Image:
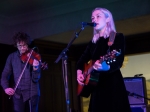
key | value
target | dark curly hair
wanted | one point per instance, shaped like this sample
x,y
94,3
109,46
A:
x,y
21,36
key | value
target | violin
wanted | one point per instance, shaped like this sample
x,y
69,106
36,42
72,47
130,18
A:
x,y
30,55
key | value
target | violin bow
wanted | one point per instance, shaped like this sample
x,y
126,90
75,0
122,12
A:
x,y
18,81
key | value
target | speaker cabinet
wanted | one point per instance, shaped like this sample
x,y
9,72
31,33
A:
x,y
136,89
140,108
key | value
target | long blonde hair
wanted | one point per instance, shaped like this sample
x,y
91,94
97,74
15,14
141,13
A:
x,y
110,25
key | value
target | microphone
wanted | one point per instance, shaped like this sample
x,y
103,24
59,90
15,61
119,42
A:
x,y
89,24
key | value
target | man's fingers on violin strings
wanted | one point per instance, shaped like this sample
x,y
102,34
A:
x,y
35,62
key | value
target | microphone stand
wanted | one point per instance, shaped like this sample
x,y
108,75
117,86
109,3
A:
x,y
64,57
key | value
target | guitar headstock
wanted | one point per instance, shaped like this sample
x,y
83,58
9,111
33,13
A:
x,y
115,52
110,56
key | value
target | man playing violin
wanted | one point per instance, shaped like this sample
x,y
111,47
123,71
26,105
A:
x,y
26,92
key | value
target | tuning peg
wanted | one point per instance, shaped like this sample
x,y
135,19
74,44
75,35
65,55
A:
x,y
114,60
108,62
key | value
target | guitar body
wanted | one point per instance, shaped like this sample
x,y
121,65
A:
x,y
92,77
90,82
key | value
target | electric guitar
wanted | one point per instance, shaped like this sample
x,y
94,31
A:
x,y
91,78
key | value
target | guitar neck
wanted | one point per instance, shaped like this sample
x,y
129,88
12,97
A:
x,y
90,70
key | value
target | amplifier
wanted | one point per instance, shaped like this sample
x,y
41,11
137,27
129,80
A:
x,y
140,108
136,88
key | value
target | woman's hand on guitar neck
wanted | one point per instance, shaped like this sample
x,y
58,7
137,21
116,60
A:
x,y
101,66
97,66
80,77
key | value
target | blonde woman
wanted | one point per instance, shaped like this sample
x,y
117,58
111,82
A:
x,y
109,94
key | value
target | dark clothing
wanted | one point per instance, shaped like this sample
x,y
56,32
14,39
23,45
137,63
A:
x,y
110,93
28,85
31,104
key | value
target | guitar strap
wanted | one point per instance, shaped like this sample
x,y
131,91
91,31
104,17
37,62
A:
x,y
110,42
111,38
